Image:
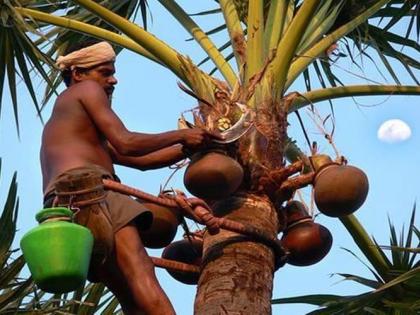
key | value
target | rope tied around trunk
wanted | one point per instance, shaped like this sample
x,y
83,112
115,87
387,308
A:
x,y
199,211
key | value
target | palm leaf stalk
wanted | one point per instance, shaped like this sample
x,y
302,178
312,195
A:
x,y
286,48
236,33
320,95
91,30
255,23
274,43
275,24
201,38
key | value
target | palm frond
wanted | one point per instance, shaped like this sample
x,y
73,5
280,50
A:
x,y
383,33
12,288
8,221
18,55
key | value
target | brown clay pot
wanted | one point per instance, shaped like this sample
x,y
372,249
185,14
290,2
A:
x,y
186,251
213,176
295,211
340,189
307,243
164,226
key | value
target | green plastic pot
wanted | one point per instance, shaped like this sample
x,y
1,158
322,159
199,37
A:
x,y
57,251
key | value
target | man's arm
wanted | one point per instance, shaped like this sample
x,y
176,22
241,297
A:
x,y
158,159
96,104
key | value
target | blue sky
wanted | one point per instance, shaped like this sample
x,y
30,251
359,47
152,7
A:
x,y
148,100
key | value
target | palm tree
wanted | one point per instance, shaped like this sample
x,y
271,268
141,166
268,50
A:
x,y
273,44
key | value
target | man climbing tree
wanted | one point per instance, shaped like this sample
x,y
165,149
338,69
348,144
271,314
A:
x,y
84,133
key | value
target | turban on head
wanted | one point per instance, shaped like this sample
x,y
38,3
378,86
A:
x,y
87,57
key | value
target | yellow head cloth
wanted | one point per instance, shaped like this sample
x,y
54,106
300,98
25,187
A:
x,y
87,57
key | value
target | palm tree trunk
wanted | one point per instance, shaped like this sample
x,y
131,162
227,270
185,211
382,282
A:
x,y
237,272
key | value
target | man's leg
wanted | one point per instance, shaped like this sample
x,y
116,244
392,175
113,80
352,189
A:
x,y
140,290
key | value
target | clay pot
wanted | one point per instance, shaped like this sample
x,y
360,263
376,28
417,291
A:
x,y
340,189
295,211
164,226
307,243
186,251
213,175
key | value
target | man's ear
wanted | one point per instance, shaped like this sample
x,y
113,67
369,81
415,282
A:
x,y
77,74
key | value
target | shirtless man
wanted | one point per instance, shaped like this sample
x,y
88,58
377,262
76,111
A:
x,y
83,130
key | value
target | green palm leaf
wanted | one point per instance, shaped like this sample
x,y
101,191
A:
x,y
367,282
381,31
18,55
8,221
316,299
12,288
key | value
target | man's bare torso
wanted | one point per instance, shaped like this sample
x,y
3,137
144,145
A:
x,y
70,138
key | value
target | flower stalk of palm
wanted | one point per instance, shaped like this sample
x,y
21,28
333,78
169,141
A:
x,y
279,42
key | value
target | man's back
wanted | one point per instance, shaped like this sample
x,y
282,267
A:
x,y
70,138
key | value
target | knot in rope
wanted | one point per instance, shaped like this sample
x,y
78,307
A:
x,y
199,210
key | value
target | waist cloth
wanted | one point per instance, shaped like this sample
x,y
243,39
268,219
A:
x,y
105,218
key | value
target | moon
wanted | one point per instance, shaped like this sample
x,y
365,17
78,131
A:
x,y
393,131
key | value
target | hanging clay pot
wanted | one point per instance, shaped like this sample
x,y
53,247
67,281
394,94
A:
x,y
307,242
57,251
213,175
164,226
186,251
340,189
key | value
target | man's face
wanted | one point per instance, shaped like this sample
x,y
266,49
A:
x,y
103,74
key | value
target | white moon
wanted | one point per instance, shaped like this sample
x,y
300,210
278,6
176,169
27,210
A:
x,y
394,130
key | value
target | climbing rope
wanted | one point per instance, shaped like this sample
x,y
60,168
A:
x,y
175,265
198,210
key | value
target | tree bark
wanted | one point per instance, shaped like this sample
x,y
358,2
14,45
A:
x,y
237,272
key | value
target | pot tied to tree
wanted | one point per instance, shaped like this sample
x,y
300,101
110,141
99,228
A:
x,y
305,241
164,227
339,189
189,251
213,175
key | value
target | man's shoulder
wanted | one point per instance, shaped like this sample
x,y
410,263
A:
x,y
81,89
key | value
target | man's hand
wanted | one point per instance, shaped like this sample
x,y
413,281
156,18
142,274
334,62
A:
x,y
196,138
